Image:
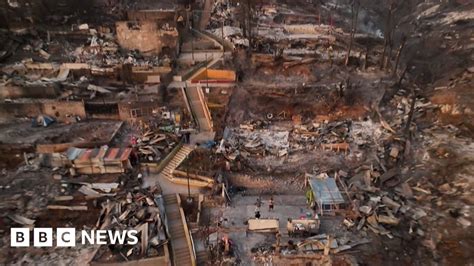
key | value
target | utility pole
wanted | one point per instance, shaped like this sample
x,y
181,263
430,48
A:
x,y
223,44
192,45
207,74
189,200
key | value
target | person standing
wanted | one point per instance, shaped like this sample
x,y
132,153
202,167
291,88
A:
x,y
259,202
270,204
257,212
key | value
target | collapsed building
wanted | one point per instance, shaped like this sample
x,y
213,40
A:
x,y
238,132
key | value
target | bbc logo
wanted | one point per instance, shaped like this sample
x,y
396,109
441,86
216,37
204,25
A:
x,y
43,237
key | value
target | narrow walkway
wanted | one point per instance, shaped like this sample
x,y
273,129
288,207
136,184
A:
x,y
177,228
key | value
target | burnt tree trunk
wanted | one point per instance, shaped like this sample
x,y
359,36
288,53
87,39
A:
x,y
387,34
355,5
402,76
250,10
399,52
406,132
389,55
366,58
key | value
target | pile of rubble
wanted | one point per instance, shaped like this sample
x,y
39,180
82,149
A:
x,y
322,135
152,147
260,139
142,210
244,141
311,247
378,209
231,34
221,13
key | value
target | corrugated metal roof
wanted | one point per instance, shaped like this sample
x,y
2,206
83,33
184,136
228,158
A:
x,y
325,190
104,153
72,153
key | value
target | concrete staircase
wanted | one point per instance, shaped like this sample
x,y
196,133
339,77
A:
x,y
202,257
199,108
181,248
178,158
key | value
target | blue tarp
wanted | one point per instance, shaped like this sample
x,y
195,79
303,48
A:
x,y
43,121
208,144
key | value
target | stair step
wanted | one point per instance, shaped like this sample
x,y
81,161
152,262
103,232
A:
x,y
183,259
200,252
176,225
174,215
169,197
181,251
183,256
184,262
176,228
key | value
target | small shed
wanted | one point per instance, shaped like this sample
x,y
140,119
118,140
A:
x,y
325,194
100,161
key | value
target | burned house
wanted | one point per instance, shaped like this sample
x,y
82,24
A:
x,y
104,160
149,31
